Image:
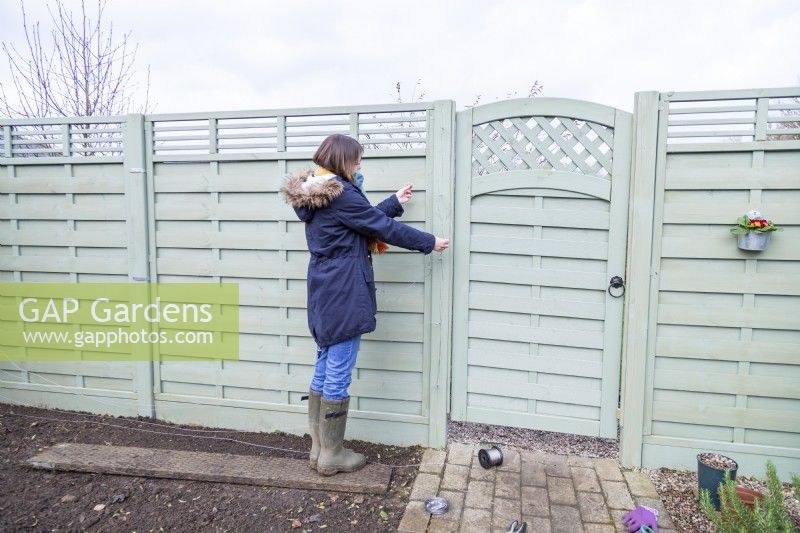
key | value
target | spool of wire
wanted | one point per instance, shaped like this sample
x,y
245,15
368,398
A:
x,y
437,505
489,457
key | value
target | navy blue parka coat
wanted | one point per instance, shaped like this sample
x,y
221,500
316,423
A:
x,y
339,220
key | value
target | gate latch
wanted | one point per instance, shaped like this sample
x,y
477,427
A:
x,y
616,283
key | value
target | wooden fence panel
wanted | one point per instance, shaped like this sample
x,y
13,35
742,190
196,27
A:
x,y
720,367
219,217
65,218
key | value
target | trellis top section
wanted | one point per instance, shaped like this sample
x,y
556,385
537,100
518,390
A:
x,y
733,120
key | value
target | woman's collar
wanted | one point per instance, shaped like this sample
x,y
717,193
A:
x,y
322,171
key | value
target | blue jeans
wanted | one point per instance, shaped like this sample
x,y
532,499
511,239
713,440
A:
x,y
334,369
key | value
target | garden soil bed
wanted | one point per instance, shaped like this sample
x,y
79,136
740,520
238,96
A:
x,y
35,500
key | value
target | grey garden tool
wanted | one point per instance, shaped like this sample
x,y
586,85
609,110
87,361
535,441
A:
x,y
516,527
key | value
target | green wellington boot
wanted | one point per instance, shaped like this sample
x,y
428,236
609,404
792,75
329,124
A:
x,y
313,427
333,457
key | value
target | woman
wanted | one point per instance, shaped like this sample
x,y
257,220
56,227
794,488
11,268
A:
x,y
342,231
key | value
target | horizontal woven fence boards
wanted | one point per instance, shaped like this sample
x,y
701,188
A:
x,y
209,185
219,216
63,219
538,235
712,337
723,372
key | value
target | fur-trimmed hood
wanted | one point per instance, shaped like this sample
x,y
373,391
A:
x,y
306,192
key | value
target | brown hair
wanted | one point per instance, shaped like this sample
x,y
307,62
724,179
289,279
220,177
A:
x,y
339,154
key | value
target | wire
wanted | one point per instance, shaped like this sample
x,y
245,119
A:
x,y
106,403
109,403
174,434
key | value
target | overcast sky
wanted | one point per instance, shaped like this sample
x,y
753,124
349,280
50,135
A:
x,y
247,54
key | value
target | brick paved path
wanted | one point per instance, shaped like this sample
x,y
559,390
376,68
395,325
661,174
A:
x,y
552,493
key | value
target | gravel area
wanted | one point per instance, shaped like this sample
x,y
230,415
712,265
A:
x,y
678,491
532,439
717,461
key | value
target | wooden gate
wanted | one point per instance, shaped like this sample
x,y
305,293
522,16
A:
x,y
540,231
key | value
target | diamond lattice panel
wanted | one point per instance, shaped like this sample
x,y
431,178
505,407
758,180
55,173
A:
x,y
556,143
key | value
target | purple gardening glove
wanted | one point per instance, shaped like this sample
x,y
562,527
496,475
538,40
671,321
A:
x,y
641,516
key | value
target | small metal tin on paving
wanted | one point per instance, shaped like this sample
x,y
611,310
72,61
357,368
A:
x,y
437,505
489,457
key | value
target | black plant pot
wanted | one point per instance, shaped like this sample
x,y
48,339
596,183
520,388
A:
x,y
710,478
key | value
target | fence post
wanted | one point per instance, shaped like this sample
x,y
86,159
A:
x,y
134,170
443,168
637,295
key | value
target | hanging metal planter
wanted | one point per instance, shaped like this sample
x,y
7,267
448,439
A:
x,y
753,231
753,241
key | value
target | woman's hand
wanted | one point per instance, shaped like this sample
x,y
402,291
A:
x,y
441,244
404,194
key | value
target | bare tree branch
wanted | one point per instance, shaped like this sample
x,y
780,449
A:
x,y
83,71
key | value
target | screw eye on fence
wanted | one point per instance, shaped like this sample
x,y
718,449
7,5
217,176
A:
x,y
563,215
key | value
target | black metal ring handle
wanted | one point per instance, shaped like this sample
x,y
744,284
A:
x,y
616,283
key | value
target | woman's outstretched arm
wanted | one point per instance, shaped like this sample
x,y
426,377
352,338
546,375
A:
x,y
355,212
391,206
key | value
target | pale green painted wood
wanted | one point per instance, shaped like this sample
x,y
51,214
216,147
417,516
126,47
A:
x,y
32,161
725,317
733,147
90,385
728,282
550,365
682,453
615,266
729,350
221,192
527,276
726,383
492,258
719,247
720,377
239,211
548,247
461,268
690,192
62,185
441,144
526,107
566,218
637,292
62,212
7,146
527,420
735,94
137,225
722,178
101,401
546,179
656,278
116,119
286,112
691,413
